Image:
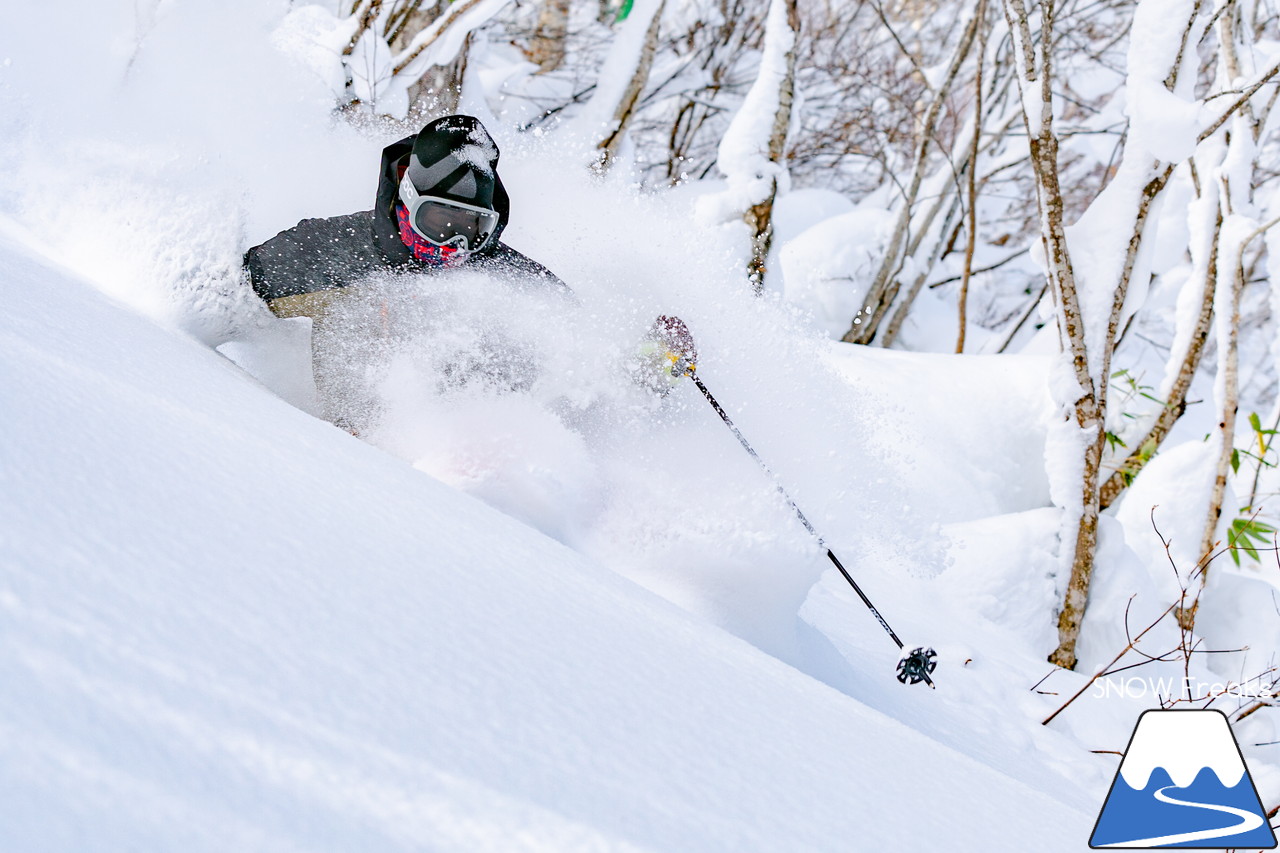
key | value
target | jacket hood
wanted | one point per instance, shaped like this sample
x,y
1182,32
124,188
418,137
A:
x,y
453,157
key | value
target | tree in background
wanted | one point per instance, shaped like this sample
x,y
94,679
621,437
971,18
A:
x,y
752,152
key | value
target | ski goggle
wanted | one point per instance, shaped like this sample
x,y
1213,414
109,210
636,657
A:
x,y
448,223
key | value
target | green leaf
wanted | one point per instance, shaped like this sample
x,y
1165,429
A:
x,y
1235,461
1255,422
624,10
1248,534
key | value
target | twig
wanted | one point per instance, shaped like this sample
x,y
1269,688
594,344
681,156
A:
x,y
1187,647
1026,315
1043,680
1239,102
980,270
1104,670
972,224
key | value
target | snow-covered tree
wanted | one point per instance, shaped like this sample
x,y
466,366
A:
x,y
622,78
752,151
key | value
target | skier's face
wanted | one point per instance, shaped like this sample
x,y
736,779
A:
x,y
425,251
442,222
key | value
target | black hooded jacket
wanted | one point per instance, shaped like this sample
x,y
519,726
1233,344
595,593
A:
x,y
322,254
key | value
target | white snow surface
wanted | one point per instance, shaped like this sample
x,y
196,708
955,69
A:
x,y
829,266
229,625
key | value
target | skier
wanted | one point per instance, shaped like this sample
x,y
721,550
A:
x,y
440,206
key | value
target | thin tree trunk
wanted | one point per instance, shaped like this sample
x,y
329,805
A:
x,y
864,325
1080,405
610,144
972,223
1229,365
899,317
547,45
759,217
1228,304
1175,402
367,17
1091,369
922,227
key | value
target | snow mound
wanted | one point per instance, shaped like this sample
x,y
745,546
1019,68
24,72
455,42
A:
x,y
828,268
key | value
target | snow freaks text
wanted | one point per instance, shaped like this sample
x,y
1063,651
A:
x,y
1186,689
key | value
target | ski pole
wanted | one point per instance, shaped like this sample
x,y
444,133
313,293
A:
x,y
916,665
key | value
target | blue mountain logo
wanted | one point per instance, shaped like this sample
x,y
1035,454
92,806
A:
x,y
1183,783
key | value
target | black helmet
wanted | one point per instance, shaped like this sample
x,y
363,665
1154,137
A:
x,y
455,158
450,189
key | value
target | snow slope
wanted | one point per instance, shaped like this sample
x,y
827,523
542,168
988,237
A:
x,y
228,625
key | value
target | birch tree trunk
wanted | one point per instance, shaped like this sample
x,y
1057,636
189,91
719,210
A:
x,y
1113,271
877,301
774,87
1184,361
546,47
1238,230
1147,429
441,40
1080,433
439,89
622,79
1227,297
971,218
1235,179
1227,311
752,152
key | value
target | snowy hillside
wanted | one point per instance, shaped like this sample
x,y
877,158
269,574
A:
x,y
229,625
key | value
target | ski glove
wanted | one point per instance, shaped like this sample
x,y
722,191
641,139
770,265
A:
x,y
666,355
